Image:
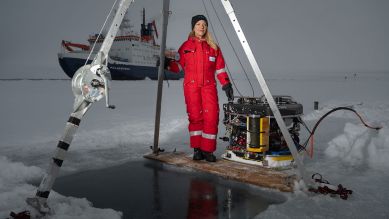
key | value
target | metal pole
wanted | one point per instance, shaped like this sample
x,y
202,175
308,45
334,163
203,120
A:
x,y
316,105
39,202
246,47
161,71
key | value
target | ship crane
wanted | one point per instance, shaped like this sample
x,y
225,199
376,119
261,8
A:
x,y
70,46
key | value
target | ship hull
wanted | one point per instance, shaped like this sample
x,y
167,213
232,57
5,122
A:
x,y
119,71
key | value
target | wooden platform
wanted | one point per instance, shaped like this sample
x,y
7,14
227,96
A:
x,y
256,175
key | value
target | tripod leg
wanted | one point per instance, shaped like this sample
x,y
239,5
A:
x,y
39,202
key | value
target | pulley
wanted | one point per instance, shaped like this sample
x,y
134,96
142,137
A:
x,y
91,84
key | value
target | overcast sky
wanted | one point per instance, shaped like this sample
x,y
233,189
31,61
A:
x,y
287,36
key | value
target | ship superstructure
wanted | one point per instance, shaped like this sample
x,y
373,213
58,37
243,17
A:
x,y
132,57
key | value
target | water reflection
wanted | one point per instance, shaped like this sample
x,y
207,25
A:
x,y
228,203
149,189
217,198
157,209
202,200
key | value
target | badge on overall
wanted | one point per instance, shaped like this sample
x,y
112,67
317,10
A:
x,y
212,58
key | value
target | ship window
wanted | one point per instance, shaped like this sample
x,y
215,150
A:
x,y
132,44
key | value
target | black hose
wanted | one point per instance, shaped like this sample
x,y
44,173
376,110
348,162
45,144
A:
x,y
333,110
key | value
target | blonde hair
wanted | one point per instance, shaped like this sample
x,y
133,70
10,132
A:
x,y
208,37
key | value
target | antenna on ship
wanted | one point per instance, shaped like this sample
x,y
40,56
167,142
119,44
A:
x,y
144,16
143,25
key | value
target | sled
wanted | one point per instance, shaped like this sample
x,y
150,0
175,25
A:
x,y
280,179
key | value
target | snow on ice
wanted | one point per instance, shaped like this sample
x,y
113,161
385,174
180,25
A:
x,y
33,116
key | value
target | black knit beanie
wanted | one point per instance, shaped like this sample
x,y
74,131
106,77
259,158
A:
x,y
197,18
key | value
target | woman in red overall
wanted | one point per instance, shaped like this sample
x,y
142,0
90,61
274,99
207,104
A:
x,y
201,60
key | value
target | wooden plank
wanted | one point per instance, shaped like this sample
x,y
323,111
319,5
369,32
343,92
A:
x,y
255,175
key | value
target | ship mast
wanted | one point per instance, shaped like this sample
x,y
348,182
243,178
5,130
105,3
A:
x,y
146,32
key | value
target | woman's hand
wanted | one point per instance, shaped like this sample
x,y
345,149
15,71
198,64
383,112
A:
x,y
229,91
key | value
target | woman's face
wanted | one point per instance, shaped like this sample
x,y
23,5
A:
x,y
200,29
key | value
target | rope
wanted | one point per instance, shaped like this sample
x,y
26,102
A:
x,y
324,187
101,30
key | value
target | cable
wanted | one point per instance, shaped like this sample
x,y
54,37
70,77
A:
x,y
101,30
213,30
304,146
247,77
328,113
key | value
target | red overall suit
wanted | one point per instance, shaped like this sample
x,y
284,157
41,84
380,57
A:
x,y
201,63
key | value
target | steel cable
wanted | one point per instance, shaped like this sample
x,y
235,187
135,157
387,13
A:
x,y
216,38
225,33
101,30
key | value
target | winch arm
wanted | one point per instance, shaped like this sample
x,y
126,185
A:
x,y
89,84
102,55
